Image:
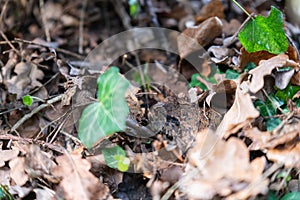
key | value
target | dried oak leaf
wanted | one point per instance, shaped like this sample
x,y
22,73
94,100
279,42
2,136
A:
x,y
218,167
265,68
241,113
27,78
77,181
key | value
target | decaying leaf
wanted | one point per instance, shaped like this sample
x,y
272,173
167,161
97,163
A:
x,y
265,68
290,156
214,8
27,77
77,181
197,37
241,113
7,155
17,171
218,167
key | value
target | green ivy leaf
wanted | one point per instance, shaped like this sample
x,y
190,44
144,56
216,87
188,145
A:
x,y
265,110
265,33
297,101
195,82
108,115
272,196
249,66
291,196
287,93
27,100
231,74
272,123
115,157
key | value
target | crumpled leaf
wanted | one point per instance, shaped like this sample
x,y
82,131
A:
x,y
241,112
265,33
17,171
7,155
218,167
77,181
27,78
109,114
265,68
290,156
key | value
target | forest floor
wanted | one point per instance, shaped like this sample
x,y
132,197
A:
x,y
148,100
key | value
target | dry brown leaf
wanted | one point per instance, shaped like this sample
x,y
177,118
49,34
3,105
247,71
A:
x,y
27,78
38,163
218,167
232,27
4,176
196,37
241,113
296,78
17,171
259,138
77,181
7,155
213,9
282,79
290,156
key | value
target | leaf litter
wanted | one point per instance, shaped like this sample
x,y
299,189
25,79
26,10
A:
x,y
200,147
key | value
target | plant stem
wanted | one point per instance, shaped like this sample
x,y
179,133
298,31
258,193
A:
x,y
241,7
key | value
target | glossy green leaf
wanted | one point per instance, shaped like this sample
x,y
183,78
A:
x,y
27,100
108,115
231,74
115,157
291,196
265,33
287,93
272,123
265,110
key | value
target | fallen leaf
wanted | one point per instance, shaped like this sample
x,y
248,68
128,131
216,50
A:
x,y
265,68
27,78
282,79
241,113
290,156
214,8
17,171
4,177
197,37
218,167
7,155
77,181
44,194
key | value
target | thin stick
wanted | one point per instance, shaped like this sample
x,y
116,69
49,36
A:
x,y
75,55
241,7
81,23
122,14
240,28
32,141
34,111
42,11
3,11
9,43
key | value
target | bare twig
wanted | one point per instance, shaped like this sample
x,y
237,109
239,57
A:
x,y
34,111
9,42
122,14
81,23
75,55
42,11
3,11
32,141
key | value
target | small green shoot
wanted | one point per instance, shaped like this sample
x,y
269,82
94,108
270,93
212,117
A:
x,y
107,115
115,157
27,100
265,33
134,8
